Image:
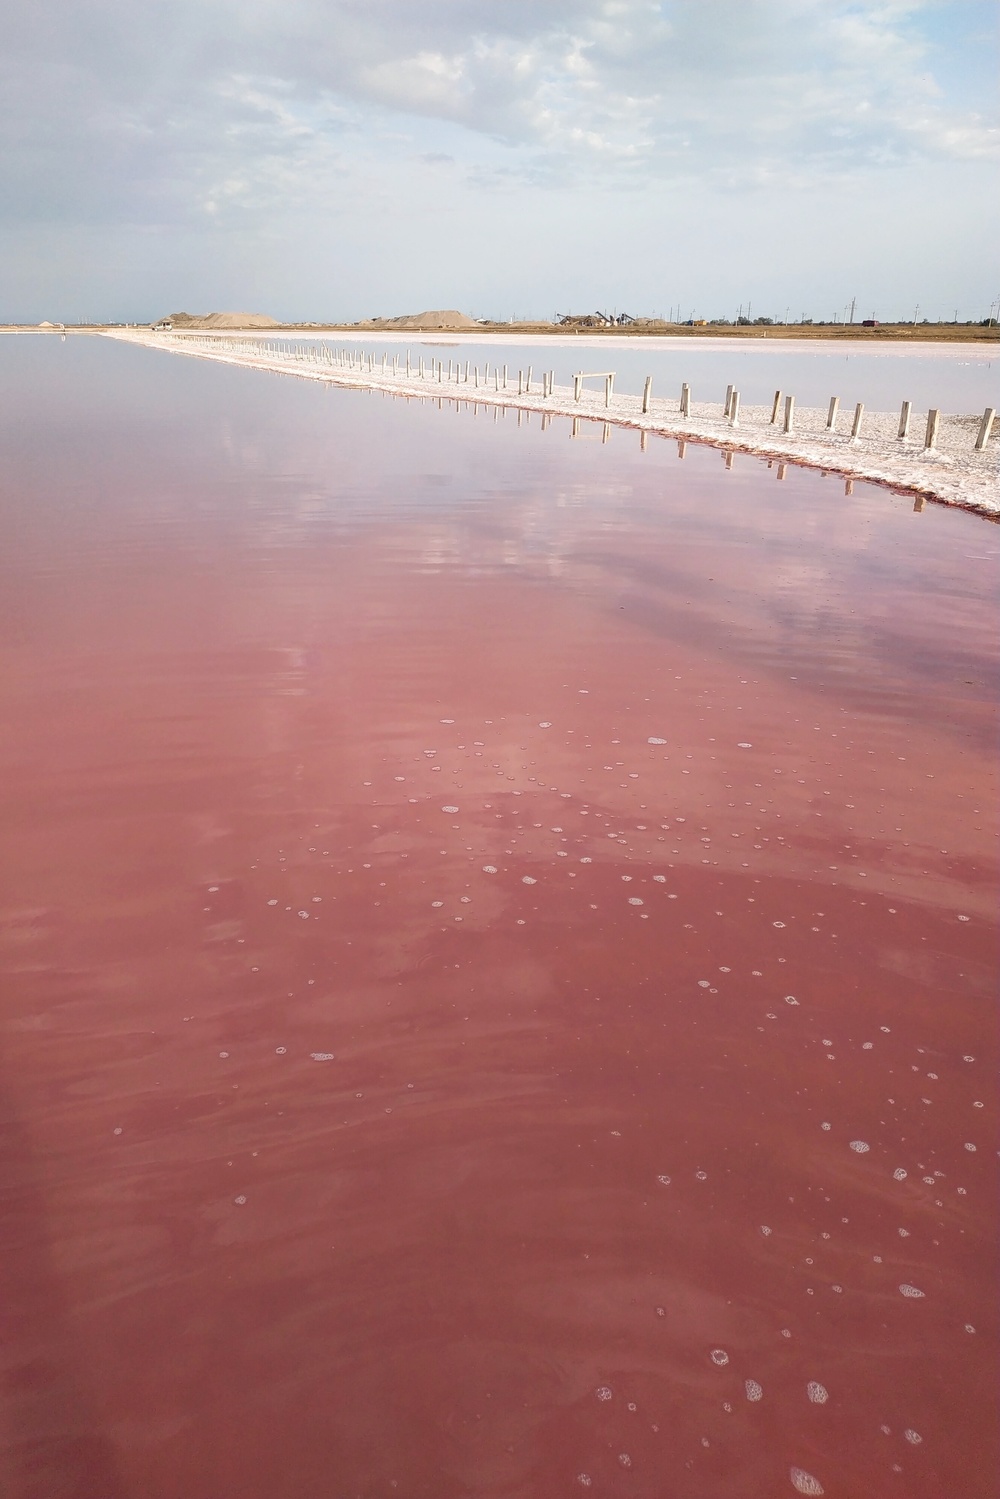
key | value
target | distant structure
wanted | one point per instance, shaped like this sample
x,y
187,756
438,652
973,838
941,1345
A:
x,y
596,320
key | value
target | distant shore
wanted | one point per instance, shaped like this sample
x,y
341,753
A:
x,y
908,335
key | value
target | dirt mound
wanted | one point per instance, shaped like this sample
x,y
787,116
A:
x,y
222,320
429,320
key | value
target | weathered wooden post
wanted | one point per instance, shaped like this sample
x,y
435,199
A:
x,y
775,407
904,421
421,366
505,377
647,393
520,378
552,381
789,419
449,369
931,435
859,413
729,398
734,410
527,383
831,415
685,400
577,387
609,385
985,428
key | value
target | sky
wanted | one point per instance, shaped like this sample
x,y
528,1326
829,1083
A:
x,y
340,159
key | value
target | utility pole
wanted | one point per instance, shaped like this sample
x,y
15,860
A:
x,y
854,302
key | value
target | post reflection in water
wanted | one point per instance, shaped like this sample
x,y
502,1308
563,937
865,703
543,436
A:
x,y
497,943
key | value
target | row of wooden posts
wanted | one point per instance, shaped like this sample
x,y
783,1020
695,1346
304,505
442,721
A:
x,y
782,407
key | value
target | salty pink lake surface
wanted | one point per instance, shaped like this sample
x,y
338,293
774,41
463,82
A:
x,y
498,946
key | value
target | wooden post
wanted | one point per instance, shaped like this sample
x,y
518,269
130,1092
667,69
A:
x,y
775,407
931,435
985,428
904,421
520,377
647,392
527,383
421,366
467,372
449,369
552,381
685,400
609,385
505,377
577,386
859,413
789,419
729,398
831,415
734,410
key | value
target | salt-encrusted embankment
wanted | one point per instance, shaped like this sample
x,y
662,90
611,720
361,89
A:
x,y
953,472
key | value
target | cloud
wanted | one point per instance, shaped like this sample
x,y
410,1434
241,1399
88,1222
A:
x,y
128,109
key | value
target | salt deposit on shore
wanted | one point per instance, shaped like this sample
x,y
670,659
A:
x,y
953,473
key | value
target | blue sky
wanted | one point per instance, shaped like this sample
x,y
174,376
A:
x,y
340,158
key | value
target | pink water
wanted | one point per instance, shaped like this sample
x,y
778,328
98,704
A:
x,y
488,921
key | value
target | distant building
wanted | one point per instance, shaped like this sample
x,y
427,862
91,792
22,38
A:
x,y
596,320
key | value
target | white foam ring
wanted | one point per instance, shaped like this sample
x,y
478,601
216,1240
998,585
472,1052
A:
x,y
719,1356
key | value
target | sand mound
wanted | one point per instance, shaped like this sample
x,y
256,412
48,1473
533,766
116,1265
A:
x,y
222,320
429,320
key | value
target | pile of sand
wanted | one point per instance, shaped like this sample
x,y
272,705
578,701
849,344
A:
x,y
222,320
434,321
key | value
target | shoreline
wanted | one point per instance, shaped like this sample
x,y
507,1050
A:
x,y
953,474
977,342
